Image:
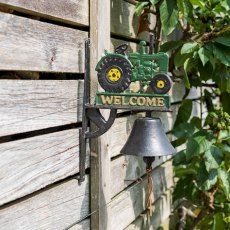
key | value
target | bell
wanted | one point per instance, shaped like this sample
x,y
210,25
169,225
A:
x,y
148,139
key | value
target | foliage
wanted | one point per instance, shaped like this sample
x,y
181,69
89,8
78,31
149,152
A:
x,y
197,36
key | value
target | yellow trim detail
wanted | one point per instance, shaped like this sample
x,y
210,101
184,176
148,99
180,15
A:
x,y
161,84
114,74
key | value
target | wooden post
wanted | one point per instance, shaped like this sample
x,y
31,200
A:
x,y
100,159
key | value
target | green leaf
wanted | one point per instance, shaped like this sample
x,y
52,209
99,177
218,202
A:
x,y
205,223
153,2
206,72
197,144
189,47
225,102
179,58
185,189
224,134
169,16
140,7
181,171
222,54
219,222
204,55
186,68
199,3
167,46
227,219
222,78
179,158
224,82
184,130
206,180
196,121
225,40
189,64
226,147
224,177
185,8
184,112
213,158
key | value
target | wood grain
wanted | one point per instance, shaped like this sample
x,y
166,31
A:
x,y
55,208
124,22
31,164
33,105
130,203
83,225
100,159
161,212
125,170
70,11
30,45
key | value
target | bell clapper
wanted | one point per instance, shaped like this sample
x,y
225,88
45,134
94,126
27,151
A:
x,y
149,161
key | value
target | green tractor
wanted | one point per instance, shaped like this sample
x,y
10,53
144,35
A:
x,y
117,70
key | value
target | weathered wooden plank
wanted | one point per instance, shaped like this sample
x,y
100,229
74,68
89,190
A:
x,y
55,208
100,159
161,212
33,105
124,22
127,169
70,11
166,224
31,164
129,204
83,225
32,45
177,92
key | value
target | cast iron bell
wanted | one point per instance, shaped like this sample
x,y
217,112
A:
x,y
148,139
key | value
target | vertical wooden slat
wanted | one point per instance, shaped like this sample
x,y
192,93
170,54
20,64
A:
x,y
100,160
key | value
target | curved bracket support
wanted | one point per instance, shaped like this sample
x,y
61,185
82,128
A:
x,y
92,115
103,126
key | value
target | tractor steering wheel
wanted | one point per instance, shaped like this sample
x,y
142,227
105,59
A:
x,y
121,49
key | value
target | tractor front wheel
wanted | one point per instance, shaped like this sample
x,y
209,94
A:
x,y
114,74
160,84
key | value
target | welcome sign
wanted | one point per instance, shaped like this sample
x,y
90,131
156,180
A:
x,y
117,70
132,100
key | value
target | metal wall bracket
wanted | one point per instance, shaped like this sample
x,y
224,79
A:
x,y
90,114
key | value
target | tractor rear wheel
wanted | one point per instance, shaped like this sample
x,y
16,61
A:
x,y
160,84
114,74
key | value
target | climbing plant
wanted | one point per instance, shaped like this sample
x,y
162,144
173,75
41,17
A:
x,y
196,34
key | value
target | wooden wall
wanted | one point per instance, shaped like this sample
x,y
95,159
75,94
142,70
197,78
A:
x,y
40,119
41,90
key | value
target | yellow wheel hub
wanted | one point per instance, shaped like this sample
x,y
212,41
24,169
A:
x,y
114,74
161,84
